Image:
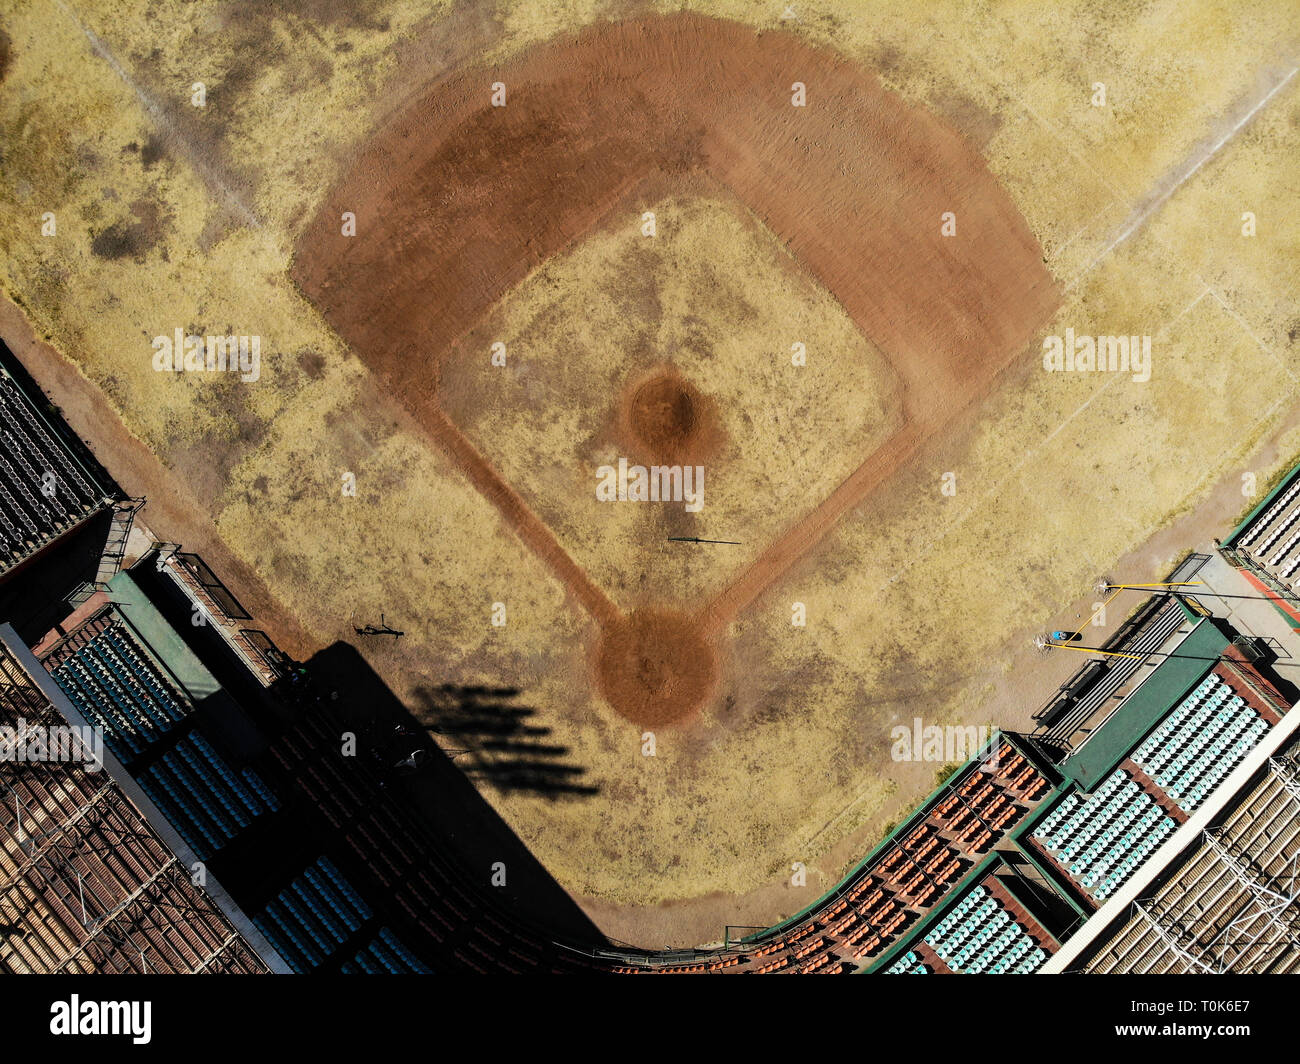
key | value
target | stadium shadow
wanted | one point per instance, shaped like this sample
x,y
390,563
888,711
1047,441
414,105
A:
x,y
435,788
337,691
502,747
33,597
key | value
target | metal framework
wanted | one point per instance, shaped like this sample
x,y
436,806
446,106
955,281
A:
x,y
1230,903
86,885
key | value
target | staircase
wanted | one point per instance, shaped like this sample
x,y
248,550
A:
x,y
110,561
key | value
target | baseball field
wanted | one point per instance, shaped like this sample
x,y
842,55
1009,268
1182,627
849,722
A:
x,y
811,255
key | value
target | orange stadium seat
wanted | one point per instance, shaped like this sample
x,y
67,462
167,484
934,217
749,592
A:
x,y
1011,766
883,912
927,849
869,946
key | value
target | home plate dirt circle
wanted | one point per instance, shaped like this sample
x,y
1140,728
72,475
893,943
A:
x,y
654,667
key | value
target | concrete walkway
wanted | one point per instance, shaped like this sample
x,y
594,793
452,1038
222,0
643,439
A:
x,y
1228,595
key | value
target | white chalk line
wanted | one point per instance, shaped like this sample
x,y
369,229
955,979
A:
x,y
1205,157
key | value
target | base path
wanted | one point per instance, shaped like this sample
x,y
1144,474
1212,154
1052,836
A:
x,y
457,201
521,519
783,552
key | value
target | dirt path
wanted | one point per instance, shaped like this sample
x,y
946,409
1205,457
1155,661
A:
x,y
782,553
457,200
520,518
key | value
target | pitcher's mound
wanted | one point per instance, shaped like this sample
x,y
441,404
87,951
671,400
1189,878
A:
x,y
654,667
669,420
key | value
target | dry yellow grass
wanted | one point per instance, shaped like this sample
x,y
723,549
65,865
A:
x,y
912,601
717,296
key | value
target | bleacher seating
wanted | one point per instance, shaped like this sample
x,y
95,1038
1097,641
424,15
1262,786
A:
x,y
1103,840
115,685
43,492
386,955
980,937
1200,742
314,915
203,797
412,874
1274,511
908,964
975,810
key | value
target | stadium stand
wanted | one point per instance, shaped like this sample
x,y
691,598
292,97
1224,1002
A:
x,y
385,955
87,884
1265,546
383,839
1225,902
1188,710
979,936
203,797
110,675
983,929
1153,761
45,490
1100,840
999,871
1200,742
914,870
314,915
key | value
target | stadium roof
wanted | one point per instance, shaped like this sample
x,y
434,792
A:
x,y
180,661
164,893
12,644
1173,678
